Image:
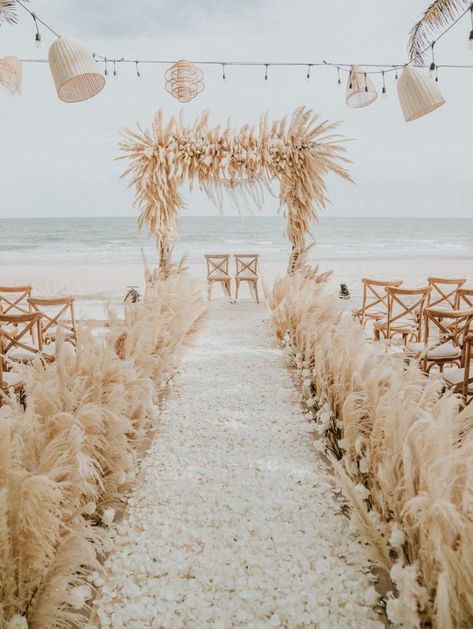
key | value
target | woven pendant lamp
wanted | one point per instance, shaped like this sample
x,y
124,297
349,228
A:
x,y
361,91
74,70
418,94
184,81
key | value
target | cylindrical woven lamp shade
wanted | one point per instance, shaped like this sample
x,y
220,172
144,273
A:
x,y
74,70
184,81
361,91
418,94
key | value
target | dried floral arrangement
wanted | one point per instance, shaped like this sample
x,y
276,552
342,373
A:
x,y
67,460
298,153
401,449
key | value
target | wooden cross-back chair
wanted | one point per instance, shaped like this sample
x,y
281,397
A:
x,y
460,379
405,312
247,271
14,299
444,347
218,272
56,312
375,300
464,298
444,291
20,338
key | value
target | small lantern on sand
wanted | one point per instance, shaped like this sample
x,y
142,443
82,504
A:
x,y
74,70
184,81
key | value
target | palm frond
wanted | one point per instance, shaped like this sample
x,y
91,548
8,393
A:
x,y
8,12
439,15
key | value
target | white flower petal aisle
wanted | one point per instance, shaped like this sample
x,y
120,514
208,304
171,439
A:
x,y
235,524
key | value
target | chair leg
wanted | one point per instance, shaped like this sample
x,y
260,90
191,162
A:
x,y
256,291
209,291
237,288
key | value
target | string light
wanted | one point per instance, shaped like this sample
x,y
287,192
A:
x,y
383,91
308,71
137,70
436,74
106,68
266,65
470,38
114,67
38,34
223,72
396,76
432,65
366,83
339,81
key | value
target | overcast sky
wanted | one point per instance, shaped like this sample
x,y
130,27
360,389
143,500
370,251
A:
x,y
57,159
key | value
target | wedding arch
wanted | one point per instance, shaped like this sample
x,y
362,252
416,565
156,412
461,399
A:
x,y
298,153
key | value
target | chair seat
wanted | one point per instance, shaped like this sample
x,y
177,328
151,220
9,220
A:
x,y
51,333
400,325
10,379
441,352
218,277
247,278
24,356
454,377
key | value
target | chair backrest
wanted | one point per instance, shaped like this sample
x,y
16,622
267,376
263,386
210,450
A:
x,y
444,291
375,296
246,265
452,325
218,266
464,298
14,299
56,312
13,332
406,302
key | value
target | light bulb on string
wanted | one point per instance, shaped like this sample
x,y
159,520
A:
x,y
137,70
114,68
436,74
106,68
266,71
339,81
396,75
308,71
432,65
38,34
366,83
470,38
350,86
383,91
223,72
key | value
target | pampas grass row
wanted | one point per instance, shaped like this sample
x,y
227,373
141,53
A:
x,y
67,458
402,451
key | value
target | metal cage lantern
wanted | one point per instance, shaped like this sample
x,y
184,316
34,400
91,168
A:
x,y
74,70
184,81
361,91
418,94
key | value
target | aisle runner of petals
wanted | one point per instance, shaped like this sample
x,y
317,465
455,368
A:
x,y
235,524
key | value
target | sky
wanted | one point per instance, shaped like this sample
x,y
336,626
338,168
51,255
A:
x,y
59,159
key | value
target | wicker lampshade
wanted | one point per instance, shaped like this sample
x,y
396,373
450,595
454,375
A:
x,y
184,81
361,91
74,70
418,94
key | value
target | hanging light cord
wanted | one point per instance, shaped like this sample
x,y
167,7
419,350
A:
x,y
376,68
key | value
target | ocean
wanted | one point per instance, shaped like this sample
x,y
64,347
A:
x,y
73,241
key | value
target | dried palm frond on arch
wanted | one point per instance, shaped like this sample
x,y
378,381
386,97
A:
x,y
438,15
299,153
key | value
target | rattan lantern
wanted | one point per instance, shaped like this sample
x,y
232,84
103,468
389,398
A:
x,y
361,91
184,81
418,94
74,70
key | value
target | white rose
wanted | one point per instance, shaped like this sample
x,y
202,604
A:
x,y
397,538
17,622
364,465
108,516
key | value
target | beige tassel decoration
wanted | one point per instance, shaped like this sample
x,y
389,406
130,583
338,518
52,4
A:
x,y
11,74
